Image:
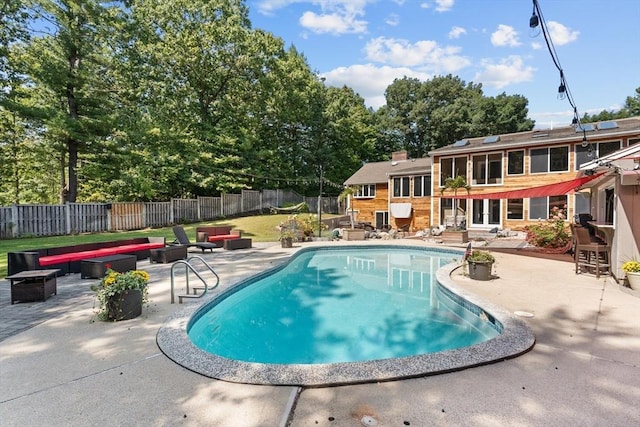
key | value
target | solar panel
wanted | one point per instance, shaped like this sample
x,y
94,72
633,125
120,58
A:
x,y
607,125
491,139
538,134
588,127
461,143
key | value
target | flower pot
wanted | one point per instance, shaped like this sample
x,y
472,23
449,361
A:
x,y
480,270
287,242
125,305
634,280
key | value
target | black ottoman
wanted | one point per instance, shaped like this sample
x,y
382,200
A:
x,y
234,244
168,254
95,268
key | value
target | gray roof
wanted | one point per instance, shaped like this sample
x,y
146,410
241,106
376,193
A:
x,y
604,130
379,172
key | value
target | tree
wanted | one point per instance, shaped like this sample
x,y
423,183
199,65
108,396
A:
x,y
420,116
455,184
631,108
67,91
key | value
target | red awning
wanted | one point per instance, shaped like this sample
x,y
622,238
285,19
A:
x,y
557,189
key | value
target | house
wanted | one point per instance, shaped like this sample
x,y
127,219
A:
x,y
394,194
517,179
615,203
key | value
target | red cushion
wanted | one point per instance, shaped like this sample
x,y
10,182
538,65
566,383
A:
x,y
223,237
78,256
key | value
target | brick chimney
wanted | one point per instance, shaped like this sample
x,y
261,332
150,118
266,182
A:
x,y
399,155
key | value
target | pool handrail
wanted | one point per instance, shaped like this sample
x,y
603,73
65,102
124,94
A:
x,y
189,267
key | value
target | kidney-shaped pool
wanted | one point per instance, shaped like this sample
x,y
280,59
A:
x,y
343,314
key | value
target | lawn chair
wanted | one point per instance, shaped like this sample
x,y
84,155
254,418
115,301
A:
x,y
182,239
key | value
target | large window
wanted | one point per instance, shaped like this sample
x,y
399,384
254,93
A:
x,y
515,162
515,208
601,149
422,186
486,169
540,207
553,159
452,167
366,191
401,187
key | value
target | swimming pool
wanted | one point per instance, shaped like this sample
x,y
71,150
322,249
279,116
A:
x,y
333,305
501,335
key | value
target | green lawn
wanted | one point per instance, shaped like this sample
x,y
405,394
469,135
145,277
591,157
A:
x,y
260,228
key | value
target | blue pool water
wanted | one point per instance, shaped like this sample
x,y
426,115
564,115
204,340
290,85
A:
x,y
331,305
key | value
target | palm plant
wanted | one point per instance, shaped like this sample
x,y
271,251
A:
x,y
345,194
455,184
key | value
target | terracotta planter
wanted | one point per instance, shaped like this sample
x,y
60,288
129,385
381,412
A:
x,y
125,305
634,280
480,270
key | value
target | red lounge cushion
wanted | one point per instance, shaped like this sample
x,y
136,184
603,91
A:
x,y
77,256
221,237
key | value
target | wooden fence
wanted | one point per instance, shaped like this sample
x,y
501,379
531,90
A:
x,y
75,218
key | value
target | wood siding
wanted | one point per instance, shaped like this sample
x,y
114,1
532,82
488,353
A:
x,y
366,208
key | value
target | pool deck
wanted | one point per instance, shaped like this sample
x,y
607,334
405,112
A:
x,y
60,367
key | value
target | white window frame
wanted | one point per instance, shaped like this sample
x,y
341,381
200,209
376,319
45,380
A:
x,y
524,154
401,179
549,159
486,169
420,179
366,191
453,159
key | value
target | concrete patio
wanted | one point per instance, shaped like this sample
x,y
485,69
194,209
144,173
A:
x,y
60,367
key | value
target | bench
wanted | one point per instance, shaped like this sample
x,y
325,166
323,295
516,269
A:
x,y
168,254
95,268
68,258
217,234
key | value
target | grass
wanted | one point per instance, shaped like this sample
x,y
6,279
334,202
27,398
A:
x,y
260,228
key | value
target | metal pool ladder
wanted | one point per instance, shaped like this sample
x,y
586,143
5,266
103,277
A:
x,y
189,268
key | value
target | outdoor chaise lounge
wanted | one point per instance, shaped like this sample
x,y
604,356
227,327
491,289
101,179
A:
x,y
181,237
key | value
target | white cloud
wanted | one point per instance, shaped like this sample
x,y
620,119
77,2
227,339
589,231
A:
x,y
426,54
332,23
393,20
505,35
370,81
444,5
508,71
441,5
536,45
456,32
560,34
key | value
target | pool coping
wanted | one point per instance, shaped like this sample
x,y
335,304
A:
x,y
516,339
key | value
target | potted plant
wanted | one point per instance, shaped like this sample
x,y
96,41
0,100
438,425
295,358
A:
x,y
632,270
287,237
480,264
121,295
458,233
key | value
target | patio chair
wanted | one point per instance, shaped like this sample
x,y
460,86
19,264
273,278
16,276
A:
x,y
589,254
182,239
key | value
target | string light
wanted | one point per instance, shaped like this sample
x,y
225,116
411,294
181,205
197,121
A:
x,y
288,181
537,19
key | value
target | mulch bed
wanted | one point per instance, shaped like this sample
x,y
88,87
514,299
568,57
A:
x,y
534,253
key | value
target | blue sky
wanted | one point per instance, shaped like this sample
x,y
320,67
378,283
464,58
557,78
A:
x,y
365,44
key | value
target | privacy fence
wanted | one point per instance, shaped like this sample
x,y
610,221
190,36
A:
x,y
75,218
